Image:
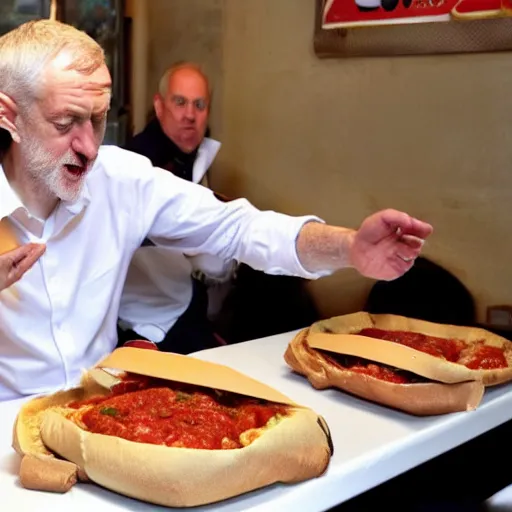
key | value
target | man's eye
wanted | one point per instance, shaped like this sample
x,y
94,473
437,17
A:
x,y
200,104
62,127
179,101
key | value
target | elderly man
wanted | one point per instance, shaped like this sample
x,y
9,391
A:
x,y
93,206
175,139
168,295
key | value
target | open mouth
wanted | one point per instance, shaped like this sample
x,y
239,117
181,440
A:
x,y
75,170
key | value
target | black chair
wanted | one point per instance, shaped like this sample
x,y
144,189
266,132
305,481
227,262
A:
x,y
261,305
426,292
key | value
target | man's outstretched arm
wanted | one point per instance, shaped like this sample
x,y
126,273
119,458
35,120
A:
x,y
384,247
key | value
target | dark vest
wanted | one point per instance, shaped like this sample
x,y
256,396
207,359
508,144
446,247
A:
x,y
162,151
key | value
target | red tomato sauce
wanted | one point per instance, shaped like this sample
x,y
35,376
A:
x,y
146,411
445,348
378,371
476,356
486,357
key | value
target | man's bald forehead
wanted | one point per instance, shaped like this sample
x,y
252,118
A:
x,y
179,70
186,73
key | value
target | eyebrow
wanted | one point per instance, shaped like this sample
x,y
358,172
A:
x,y
69,112
178,95
106,87
57,114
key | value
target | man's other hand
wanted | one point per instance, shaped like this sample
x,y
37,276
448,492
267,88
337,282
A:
x,y
14,264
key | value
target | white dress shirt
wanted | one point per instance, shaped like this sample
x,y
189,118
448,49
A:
x,y
158,286
61,317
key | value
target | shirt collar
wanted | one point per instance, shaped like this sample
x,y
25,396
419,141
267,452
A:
x,y
164,146
206,153
210,147
9,200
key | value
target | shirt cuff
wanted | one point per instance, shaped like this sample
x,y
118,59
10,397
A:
x,y
150,332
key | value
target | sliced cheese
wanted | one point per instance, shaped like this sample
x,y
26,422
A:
x,y
189,370
392,354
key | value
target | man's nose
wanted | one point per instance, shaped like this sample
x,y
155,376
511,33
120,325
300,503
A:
x,y
86,142
190,111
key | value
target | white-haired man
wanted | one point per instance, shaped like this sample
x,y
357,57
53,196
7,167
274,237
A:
x,y
93,206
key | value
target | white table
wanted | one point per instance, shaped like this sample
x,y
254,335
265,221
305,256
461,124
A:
x,y
372,443
501,501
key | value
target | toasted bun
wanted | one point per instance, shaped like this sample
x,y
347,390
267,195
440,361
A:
x,y
292,451
420,399
47,473
353,323
27,425
297,448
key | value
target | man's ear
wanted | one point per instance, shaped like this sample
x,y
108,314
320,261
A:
x,y
158,103
8,114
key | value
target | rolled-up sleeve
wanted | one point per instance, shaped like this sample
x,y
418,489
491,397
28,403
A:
x,y
190,219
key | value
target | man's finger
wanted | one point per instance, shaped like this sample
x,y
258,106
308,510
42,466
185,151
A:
x,y
26,251
22,259
419,228
414,227
412,241
405,253
406,224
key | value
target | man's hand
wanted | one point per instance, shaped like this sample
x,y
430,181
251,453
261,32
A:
x,y
384,247
15,263
387,243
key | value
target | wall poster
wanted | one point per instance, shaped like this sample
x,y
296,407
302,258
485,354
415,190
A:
x,y
347,28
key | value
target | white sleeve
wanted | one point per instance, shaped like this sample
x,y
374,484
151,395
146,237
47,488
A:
x,y
188,217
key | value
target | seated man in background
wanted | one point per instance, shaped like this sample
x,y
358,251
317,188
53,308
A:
x,y
172,299
166,294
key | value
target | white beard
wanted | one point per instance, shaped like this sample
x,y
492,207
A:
x,y
49,173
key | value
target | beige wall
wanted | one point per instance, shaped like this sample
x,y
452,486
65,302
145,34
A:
x,y
138,11
185,30
344,138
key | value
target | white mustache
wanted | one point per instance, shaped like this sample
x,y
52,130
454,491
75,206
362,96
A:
x,y
81,165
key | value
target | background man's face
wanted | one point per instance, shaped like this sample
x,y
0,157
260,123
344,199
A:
x,y
183,113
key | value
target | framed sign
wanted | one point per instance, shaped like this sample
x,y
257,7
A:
x,y
345,28
361,13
